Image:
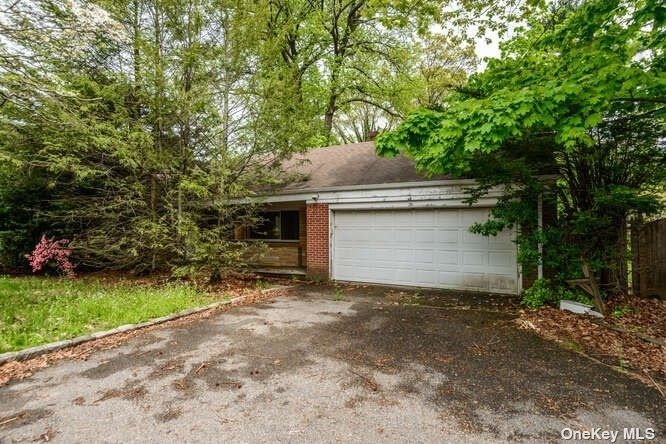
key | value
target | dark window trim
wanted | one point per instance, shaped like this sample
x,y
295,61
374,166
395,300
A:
x,y
280,239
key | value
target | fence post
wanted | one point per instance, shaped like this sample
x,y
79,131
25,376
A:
x,y
635,258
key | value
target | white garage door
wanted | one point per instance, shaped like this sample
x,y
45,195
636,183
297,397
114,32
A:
x,y
428,248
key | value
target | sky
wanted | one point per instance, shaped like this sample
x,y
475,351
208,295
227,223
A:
x,y
483,49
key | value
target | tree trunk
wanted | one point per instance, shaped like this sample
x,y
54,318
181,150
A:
x,y
328,117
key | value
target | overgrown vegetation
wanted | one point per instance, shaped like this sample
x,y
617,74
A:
x,y
36,310
572,111
544,291
131,126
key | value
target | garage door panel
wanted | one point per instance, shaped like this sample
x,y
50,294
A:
x,y
346,271
452,278
377,235
382,220
398,219
476,280
384,253
448,218
424,256
404,275
475,258
359,257
448,236
402,255
423,248
470,216
384,273
499,282
504,259
427,277
451,257
352,253
473,238
353,234
502,238
424,235
424,218
403,235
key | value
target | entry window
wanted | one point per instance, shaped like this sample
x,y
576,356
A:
x,y
276,225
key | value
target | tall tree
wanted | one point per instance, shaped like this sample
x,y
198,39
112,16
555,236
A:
x,y
580,94
347,57
132,124
142,135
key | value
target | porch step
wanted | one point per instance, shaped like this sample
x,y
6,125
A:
x,y
280,271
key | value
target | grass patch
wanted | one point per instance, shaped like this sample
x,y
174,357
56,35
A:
x,y
35,310
339,294
571,345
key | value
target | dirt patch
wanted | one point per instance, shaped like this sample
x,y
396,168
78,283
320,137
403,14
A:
x,y
23,418
432,298
182,384
215,377
171,366
468,358
47,436
120,362
623,350
262,358
130,392
354,401
169,414
643,315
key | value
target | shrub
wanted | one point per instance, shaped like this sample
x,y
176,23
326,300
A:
x,y
543,291
538,294
51,251
572,295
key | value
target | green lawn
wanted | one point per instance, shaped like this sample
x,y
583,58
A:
x,y
36,310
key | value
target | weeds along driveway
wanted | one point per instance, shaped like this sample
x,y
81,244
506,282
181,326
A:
x,y
326,365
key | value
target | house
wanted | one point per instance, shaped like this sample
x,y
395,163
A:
x,y
360,217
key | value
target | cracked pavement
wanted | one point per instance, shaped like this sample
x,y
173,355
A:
x,y
326,365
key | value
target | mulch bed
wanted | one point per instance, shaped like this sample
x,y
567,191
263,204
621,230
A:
x,y
633,342
22,369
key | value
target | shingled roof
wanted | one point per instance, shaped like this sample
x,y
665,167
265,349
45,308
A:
x,y
350,165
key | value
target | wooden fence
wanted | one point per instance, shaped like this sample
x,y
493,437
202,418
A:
x,y
648,245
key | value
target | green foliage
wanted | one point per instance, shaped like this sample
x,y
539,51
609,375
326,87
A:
x,y
35,311
568,344
565,293
131,132
538,294
620,311
578,95
339,294
261,284
544,291
129,125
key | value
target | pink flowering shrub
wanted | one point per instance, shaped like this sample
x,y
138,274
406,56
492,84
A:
x,y
48,250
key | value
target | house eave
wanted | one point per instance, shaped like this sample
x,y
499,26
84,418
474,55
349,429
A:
x,y
406,188
380,186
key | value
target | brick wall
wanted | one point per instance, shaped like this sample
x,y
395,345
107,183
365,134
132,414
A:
x,y
280,255
317,239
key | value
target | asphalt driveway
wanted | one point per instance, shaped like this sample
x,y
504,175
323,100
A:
x,y
358,364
